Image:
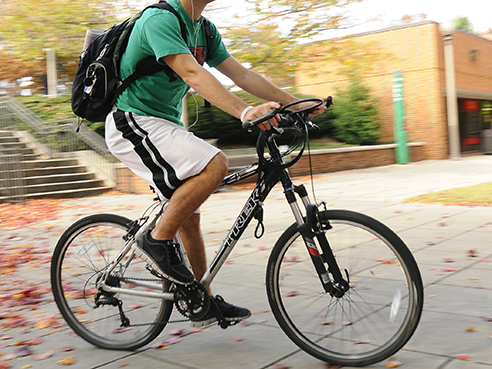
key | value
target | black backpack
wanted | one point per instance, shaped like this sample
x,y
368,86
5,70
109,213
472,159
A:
x,y
97,81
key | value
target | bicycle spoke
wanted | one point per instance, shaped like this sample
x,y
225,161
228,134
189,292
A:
x,y
106,319
374,318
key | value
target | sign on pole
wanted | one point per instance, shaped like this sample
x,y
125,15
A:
x,y
401,151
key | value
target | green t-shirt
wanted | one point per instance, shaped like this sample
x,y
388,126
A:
x,y
157,32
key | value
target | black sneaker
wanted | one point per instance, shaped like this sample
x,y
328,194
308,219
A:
x,y
230,312
164,258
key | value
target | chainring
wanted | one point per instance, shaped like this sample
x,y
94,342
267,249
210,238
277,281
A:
x,y
185,305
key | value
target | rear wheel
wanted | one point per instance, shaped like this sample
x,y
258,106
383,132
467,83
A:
x,y
377,315
107,320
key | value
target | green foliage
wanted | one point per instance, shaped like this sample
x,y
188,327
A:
x,y
270,40
464,24
29,27
49,108
214,123
356,118
352,120
55,108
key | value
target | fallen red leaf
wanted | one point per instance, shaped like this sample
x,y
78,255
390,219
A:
x,y
67,348
34,341
69,360
10,356
160,345
23,351
43,356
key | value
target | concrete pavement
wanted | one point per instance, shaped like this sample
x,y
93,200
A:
x,y
458,294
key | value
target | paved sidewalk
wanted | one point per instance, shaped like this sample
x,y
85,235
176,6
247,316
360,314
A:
x,y
458,294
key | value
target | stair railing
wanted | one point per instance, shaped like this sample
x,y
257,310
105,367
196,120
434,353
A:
x,y
55,139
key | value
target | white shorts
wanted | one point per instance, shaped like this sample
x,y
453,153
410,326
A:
x,y
161,152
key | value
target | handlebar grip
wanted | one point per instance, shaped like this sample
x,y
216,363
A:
x,y
247,125
254,122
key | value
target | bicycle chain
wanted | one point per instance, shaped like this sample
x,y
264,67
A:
x,y
144,324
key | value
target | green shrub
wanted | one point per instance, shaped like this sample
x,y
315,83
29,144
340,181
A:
x,y
356,116
353,119
214,123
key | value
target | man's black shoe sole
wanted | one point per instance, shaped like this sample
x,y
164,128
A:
x,y
145,257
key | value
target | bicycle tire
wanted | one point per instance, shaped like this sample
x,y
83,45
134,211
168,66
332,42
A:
x,y
378,314
81,255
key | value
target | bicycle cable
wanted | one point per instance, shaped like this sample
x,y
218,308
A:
x,y
311,169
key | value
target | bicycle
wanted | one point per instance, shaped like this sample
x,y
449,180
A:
x,y
358,290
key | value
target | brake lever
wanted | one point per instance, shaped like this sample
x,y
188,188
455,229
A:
x,y
329,101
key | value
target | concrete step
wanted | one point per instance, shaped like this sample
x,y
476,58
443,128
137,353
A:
x,y
62,194
50,171
63,186
9,158
57,178
43,163
5,133
9,139
16,150
13,145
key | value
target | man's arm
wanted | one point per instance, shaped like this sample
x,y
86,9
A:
x,y
253,83
259,86
212,90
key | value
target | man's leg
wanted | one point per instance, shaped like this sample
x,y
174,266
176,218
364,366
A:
x,y
191,236
189,196
157,247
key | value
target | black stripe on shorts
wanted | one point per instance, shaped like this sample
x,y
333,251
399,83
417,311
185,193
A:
x,y
150,155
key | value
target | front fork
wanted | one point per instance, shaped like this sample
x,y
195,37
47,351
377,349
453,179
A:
x,y
311,227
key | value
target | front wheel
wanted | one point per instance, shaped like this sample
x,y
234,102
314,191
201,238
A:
x,y
117,321
377,315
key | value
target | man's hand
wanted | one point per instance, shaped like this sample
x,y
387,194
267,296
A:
x,y
319,110
263,109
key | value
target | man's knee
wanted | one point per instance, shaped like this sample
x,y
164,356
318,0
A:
x,y
219,165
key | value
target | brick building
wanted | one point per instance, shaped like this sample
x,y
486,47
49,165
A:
x,y
418,52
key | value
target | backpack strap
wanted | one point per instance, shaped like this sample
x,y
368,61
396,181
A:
x,y
208,35
149,65
165,5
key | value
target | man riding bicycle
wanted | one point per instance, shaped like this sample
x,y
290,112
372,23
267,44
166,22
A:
x,y
145,133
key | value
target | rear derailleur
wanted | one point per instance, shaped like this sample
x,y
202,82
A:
x,y
103,298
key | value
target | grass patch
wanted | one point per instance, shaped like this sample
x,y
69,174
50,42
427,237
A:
x,y
49,108
477,195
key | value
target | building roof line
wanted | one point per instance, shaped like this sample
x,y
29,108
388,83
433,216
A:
x,y
398,27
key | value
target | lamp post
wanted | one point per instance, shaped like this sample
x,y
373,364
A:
x,y
51,71
447,30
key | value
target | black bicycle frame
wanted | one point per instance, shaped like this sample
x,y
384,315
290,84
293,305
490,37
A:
x,y
266,181
268,177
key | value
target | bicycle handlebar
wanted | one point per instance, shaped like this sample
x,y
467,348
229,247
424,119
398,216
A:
x,y
249,124
254,122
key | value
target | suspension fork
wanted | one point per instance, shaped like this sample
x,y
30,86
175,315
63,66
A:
x,y
311,227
